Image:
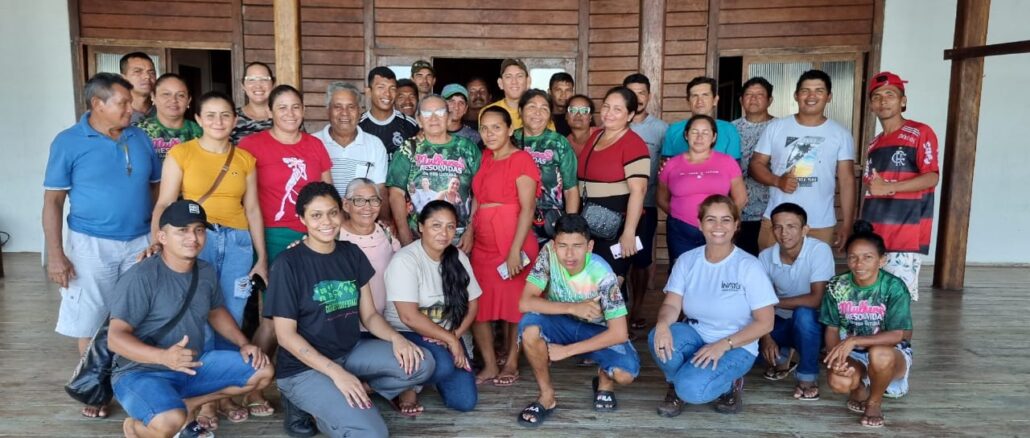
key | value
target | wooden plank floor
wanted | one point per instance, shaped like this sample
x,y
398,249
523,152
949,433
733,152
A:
x,y
970,378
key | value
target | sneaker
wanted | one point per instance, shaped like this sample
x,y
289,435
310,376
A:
x,y
296,422
194,430
732,401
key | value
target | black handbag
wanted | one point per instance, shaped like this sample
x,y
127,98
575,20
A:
x,y
604,222
90,384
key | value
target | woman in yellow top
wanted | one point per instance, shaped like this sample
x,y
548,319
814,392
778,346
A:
x,y
232,209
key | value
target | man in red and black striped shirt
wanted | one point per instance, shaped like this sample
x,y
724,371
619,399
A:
x,y
901,172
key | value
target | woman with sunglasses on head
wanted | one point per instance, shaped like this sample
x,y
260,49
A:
x,y
555,159
580,115
255,116
439,162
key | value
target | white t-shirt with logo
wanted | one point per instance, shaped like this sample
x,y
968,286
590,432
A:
x,y
413,277
813,265
813,152
721,296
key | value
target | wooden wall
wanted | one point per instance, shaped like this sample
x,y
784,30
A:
x,y
614,44
332,47
763,24
686,33
208,21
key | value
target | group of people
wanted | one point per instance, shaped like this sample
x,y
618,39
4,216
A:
x,y
402,243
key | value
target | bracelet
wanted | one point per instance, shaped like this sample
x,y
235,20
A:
x,y
730,340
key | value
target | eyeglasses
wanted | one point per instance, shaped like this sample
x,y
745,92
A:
x,y
441,112
128,161
253,79
579,110
360,202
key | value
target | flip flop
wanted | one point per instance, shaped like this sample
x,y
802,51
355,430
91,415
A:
x,y
101,411
537,412
604,401
856,406
805,393
395,403
868,421
774,374
211,422
238,414
506,380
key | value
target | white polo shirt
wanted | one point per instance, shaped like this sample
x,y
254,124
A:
x,y
365,157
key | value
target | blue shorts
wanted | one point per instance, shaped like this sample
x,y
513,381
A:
x,y
146,393
898,387
564,330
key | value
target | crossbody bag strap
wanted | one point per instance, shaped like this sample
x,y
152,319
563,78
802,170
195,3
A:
x,y
221,175
161,332
586,164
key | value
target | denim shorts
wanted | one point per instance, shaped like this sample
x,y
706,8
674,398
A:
x,y
898,387
147,393
564,330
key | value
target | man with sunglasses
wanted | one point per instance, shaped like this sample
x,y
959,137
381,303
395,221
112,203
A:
x,y
108,170
354,153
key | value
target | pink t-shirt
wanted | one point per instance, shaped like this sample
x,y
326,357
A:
x,y
282,170
689,184
379,248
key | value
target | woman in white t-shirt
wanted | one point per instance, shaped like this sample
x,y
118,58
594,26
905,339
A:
x,y
432,299
728,302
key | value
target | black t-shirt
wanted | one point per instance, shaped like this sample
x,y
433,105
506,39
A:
x,y
392,132
561,125
321,292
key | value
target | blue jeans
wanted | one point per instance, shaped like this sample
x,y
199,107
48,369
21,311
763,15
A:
x,y
696,385
804,333
147,393
231,252
564,330
456,386
681,237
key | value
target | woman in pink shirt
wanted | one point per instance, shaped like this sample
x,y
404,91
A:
x,y
687,179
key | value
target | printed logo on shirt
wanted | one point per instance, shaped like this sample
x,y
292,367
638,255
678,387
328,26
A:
x,y
863,314
398,139
730,286
439,164
927,153
803,155
899,158
434,312
541,158
335,295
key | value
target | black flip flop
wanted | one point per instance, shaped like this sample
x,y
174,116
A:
x,y
538,412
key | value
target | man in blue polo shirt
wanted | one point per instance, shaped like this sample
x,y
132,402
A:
x,y
107,170
703,97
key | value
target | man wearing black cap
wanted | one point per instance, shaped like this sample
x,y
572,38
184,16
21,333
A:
x,y
900,175
424,76
159,309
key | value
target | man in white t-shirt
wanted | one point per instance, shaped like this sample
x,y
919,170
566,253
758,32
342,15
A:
x,y
804,159
354,153
799,267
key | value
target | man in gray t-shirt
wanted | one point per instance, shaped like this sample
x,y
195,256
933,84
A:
x,y
159,380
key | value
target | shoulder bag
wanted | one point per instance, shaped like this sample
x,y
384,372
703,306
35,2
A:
x,y
90,384
604,222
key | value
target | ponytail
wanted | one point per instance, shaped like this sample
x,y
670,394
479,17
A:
x,y
455,287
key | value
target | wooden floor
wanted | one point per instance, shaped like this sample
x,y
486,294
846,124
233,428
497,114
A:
x,y
971,377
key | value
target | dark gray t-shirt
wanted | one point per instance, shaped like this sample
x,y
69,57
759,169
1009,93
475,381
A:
x,y
150,294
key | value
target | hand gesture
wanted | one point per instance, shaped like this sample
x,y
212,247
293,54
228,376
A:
x,y
588,310
879,186
154,248
179,358
628,241
557,352
252,354
663,343
60,269
408,355
788,182
352,390
514,263
770,351
710,354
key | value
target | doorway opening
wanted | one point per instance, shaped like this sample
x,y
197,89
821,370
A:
x,y
461,70
730,80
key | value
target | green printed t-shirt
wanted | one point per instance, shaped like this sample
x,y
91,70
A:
x,y
427,171
866,311
596,279
321,292
557,163
164,138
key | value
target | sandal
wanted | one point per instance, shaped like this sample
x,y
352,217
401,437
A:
x,y
856,406
406,409
207,421
672,405
262,408
506,379
90,411
806,391
194,430
874,421
537,414
235,414
604,401
774,373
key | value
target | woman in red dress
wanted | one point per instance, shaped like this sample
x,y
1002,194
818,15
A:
x,y
505,189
